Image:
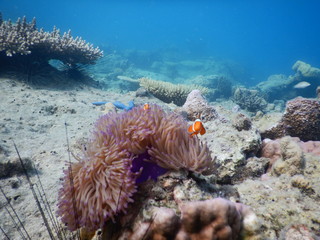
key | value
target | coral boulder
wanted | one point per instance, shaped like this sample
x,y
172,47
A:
x,y
301,119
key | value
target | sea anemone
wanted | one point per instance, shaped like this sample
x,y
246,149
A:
x,y
126,149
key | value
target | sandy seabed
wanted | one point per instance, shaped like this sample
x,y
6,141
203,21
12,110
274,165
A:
x,y
34,119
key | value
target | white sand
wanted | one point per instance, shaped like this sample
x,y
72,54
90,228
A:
x,y
35,120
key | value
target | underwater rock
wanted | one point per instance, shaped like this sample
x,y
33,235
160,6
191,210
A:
x,y
312,147
276,87
230,147
241,122
288,149
197,106
297,232
218,85
141,92
11,168
253,168
169,92
305,70
291,161
284,200
249,99
301,119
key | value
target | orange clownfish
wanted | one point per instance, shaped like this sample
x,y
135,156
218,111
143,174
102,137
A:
x,y
146,106
196,128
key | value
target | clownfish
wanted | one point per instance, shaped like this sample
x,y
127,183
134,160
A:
x,y
196,128
146,106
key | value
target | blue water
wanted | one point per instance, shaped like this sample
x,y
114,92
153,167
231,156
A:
x,y
265,37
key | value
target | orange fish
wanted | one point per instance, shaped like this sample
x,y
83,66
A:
x,y
196,128
146,106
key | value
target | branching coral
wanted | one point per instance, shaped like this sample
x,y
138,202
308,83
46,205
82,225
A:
x,y
23,38
126,149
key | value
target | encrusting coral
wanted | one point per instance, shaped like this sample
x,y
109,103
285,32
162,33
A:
x,y
23,38
126,149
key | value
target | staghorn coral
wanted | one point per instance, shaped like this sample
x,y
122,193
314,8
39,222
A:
x,y
24,38
168,92
106,175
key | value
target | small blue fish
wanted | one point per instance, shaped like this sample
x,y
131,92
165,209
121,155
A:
x,y
117,104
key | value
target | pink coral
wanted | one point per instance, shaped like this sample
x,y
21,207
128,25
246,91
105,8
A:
x,y
106,176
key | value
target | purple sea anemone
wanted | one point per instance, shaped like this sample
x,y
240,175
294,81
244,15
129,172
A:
x,y
126,149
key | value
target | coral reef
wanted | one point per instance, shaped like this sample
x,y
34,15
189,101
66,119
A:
x,y
126,149
219,85
197,107
185,206
290,198
301,119
276,87
291,161
211,219
305,70
232,143
250,100
24,38
286,154
168,92
279,86
241,122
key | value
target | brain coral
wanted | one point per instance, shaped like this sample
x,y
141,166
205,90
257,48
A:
x,y
126,148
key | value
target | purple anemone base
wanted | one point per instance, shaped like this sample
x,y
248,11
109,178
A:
x,y
149,170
